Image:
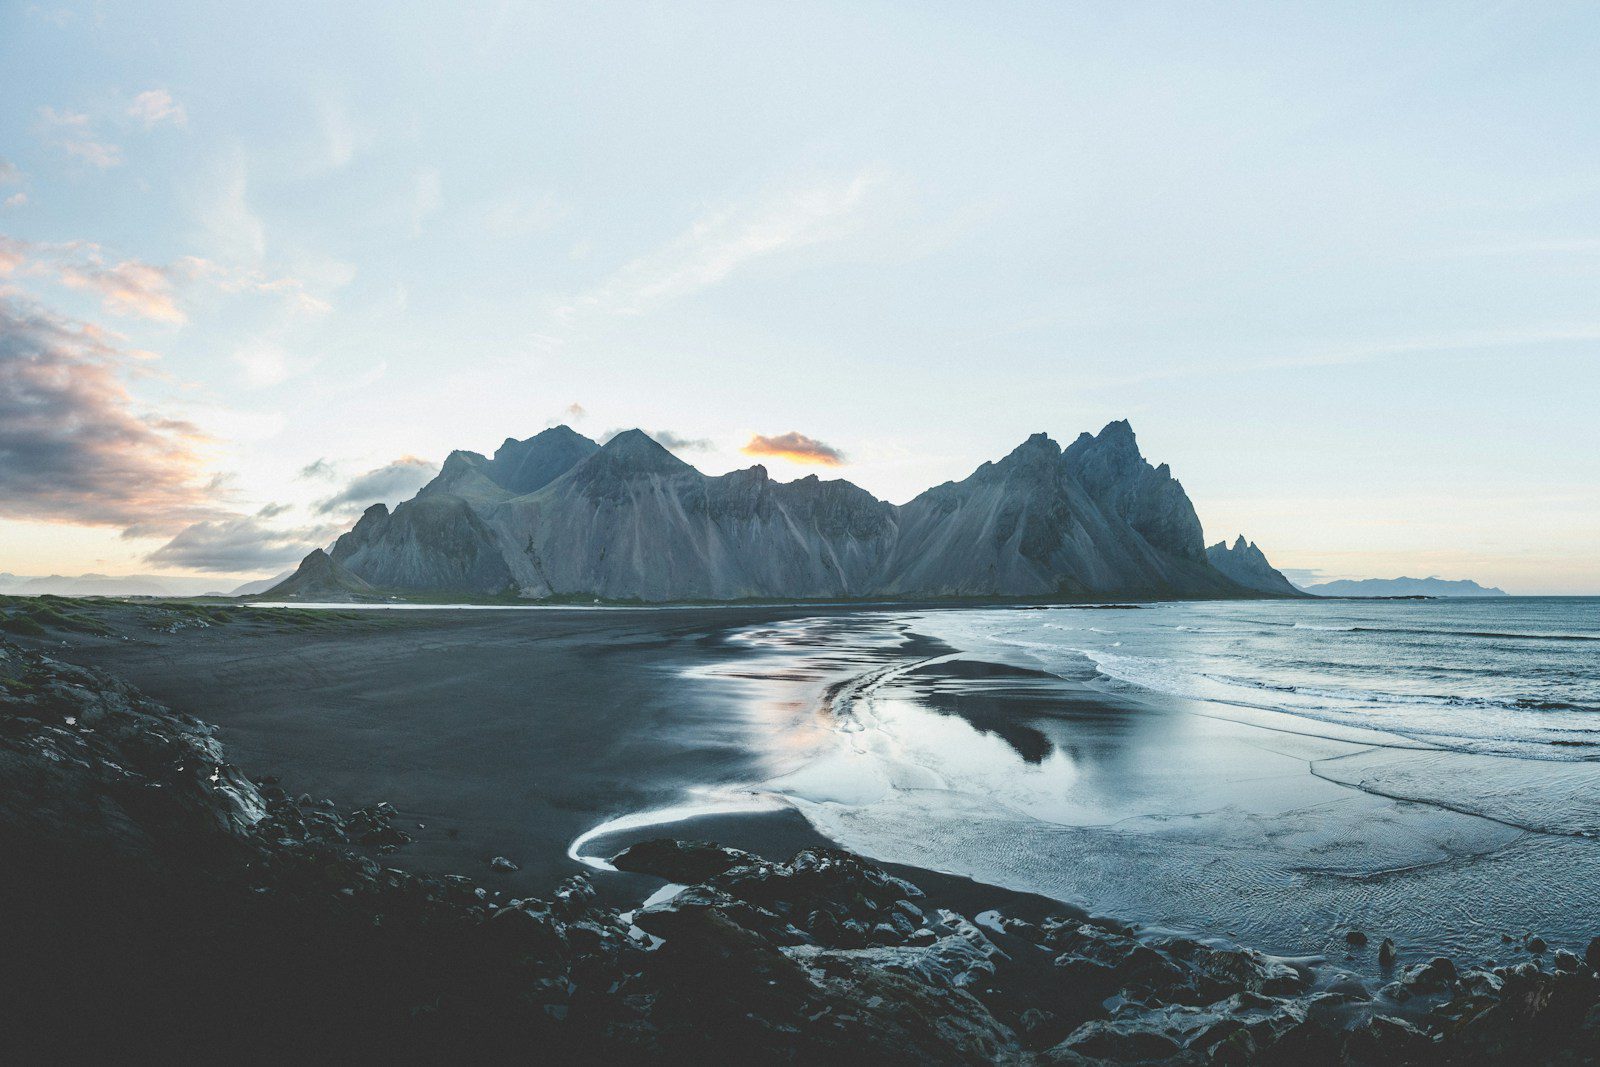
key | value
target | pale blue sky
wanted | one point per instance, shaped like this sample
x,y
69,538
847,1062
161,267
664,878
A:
x,y
1338,263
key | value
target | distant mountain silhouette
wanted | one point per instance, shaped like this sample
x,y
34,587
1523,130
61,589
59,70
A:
x,y
559,516
1401,587
106,585
260,585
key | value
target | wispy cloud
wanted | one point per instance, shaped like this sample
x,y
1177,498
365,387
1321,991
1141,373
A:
x,y
153,107
131,287
73,445
389,483
235,280
679,443
73,133
724,242
127,288
235,230
795,447
676,442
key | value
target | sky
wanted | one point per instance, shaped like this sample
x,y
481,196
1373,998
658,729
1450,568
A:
x,y
1337,263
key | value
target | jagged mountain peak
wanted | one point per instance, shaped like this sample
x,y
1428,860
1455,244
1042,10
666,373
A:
x,y
1038,444
560,515
756,472
637,449
1246,564
1115,441
529,465
1036,457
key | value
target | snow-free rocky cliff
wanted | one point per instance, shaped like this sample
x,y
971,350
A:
x,y
558,515
1247,565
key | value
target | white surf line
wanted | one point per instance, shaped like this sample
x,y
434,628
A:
x,y
718,802
739,800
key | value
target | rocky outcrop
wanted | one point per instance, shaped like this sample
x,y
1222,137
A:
x,y
1247,565
321,577
557,516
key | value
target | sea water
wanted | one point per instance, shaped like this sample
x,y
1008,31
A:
x,y
1277,771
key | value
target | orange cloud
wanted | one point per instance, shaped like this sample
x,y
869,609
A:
x,y
796,448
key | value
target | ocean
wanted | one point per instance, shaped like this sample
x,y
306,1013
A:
x,y
1513,675
1275,771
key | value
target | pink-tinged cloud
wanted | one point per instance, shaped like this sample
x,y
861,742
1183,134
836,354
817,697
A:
x,y
73,446
796,448
13,254
146,290
128,288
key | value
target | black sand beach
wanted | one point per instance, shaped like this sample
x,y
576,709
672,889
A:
x,y
503,733
510,733
190,896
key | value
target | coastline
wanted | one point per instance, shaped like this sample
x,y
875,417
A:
x,y
522,733
733,700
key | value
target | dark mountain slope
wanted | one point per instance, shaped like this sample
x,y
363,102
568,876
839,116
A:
x,y
558,516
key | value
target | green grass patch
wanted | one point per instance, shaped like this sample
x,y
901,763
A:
x,y
22,626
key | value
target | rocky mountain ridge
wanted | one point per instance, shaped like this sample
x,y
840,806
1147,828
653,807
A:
x,y
560,516
1246,564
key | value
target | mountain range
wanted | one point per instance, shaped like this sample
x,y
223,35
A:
x,y
106,585
1370,587
559,516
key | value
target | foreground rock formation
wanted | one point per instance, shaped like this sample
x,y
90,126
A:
x,y
158,901
558,516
